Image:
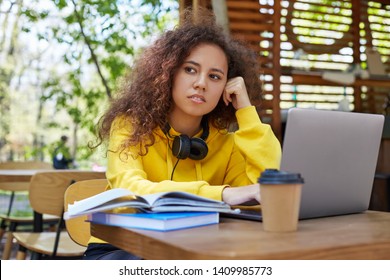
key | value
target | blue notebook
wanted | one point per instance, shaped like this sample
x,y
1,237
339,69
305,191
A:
x,y
156,221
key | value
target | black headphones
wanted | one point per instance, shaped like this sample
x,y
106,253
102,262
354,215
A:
x,y
184,146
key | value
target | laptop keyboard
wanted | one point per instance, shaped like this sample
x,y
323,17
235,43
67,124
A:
x,y
251,215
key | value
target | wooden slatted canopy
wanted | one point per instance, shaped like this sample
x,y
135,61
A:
x,y
297,40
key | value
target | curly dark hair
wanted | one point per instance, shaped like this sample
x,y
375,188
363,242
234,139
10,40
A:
x,y
145,95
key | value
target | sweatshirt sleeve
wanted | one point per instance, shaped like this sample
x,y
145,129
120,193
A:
x,y
256,149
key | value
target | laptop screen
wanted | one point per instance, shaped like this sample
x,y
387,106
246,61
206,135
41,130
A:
x,y
336,154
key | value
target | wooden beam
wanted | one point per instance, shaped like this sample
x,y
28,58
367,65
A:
x,y
221,14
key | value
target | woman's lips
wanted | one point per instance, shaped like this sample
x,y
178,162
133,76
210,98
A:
x,y
197,99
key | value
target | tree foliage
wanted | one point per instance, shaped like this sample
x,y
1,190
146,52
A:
x,y
85,46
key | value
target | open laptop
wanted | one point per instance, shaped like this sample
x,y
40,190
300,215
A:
x,y
336,154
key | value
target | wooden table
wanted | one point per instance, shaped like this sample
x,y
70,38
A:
x,y
18,175
356,236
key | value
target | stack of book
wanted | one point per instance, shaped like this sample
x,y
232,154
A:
x,y
160,211
156,221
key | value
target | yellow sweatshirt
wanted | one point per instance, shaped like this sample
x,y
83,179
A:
x,y
233,159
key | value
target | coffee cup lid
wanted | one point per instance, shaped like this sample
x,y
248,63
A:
x,y
274,177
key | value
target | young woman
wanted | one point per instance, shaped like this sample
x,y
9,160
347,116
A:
x,y
168,129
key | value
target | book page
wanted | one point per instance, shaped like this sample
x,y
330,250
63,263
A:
x,y
108,206
99,199
175,208
190,202
188,198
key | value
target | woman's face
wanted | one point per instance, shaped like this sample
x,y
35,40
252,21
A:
x,y
199,82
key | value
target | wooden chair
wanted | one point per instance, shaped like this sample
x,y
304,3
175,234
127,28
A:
x,y
10,222
78,229
46,195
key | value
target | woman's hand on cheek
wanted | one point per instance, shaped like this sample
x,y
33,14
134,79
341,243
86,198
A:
x,y
240,195
236,93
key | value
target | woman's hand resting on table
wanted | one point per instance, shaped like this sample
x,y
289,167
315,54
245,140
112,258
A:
x,y
241,195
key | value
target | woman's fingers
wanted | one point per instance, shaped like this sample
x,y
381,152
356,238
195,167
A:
x,y
236,93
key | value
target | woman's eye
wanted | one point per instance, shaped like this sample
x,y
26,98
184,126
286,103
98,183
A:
x,y
189,69
215,77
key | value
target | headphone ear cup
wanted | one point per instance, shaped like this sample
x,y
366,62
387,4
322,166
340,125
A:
x,y
181,146
198,149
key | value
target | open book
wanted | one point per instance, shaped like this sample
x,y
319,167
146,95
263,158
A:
x,y
175,201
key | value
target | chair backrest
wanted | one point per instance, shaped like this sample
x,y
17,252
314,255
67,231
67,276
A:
x,y
25,165
78,228
47,189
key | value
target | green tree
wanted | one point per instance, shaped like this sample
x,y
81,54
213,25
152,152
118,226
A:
x,y
94,43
